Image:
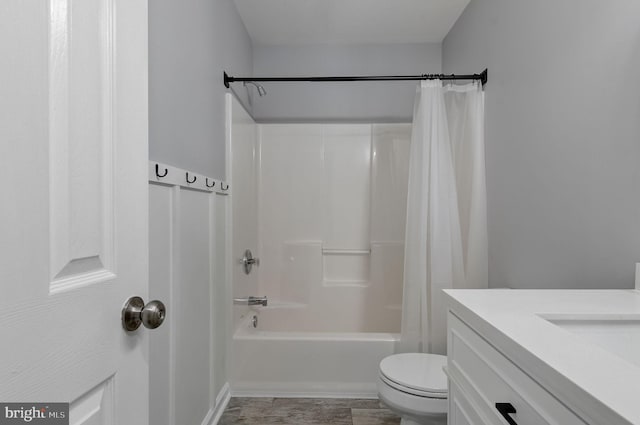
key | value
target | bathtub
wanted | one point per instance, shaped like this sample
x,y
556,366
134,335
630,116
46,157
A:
x,y
268,361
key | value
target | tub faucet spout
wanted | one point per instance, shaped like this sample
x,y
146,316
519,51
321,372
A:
x,y
251,301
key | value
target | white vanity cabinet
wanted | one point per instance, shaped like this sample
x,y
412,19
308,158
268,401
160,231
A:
x,y
485,387
543,357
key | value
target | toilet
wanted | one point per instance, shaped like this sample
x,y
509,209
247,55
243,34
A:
x,y
414,386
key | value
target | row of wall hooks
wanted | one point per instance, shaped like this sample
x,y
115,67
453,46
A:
x,y
170,175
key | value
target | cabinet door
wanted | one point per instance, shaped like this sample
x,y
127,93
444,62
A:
x,y
488,377
461,409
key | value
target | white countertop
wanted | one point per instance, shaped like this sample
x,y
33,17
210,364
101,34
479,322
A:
x,y
598,385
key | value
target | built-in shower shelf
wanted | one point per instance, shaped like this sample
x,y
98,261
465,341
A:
x,y
346,283
337,251
346,267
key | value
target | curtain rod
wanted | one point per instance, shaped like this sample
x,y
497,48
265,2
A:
x,y
482,77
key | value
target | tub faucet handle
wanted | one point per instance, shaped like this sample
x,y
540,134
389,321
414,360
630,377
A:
x,y
248,261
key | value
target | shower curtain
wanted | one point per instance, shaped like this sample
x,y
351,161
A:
x,y
446,229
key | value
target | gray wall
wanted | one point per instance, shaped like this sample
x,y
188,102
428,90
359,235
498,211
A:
x,y
191,42
562,137
347,101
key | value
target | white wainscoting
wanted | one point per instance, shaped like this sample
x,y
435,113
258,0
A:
x,y
187,355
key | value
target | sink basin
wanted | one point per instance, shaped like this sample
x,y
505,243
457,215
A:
x,y
618,334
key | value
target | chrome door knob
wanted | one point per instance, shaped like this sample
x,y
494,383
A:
x,y
135,313
153,314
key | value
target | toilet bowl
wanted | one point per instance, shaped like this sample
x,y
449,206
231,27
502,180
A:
x,y
414,386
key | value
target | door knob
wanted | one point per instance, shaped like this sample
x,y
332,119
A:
x,y
135,313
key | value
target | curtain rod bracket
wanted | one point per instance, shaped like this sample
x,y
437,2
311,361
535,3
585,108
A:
x,y
484,76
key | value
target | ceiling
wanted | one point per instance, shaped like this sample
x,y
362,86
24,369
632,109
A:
x,y
297,22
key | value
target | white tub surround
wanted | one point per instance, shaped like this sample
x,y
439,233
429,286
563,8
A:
x,y
332,207
558,356
323,207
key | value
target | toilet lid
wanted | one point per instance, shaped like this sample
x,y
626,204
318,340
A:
x,y
417,371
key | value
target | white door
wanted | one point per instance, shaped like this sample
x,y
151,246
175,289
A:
x,y
73,206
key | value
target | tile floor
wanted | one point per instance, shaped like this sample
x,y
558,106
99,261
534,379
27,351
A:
x,y
306,411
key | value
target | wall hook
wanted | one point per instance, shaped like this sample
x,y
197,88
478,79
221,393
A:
x,y
166,171
191,181
206,182
222,186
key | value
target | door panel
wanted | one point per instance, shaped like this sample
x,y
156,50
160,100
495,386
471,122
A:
x,y
81,101
73,146
95,407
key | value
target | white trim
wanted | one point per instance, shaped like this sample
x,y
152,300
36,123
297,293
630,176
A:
x,y
214,337
222,400
208,420
228,241
178,177
174,277
308,390
223,396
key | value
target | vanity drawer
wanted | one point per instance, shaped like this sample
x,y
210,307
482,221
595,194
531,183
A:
x,y
489,378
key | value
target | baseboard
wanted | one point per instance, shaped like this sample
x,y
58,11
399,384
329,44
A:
x,y
208,420
286,394
222,399
304,390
